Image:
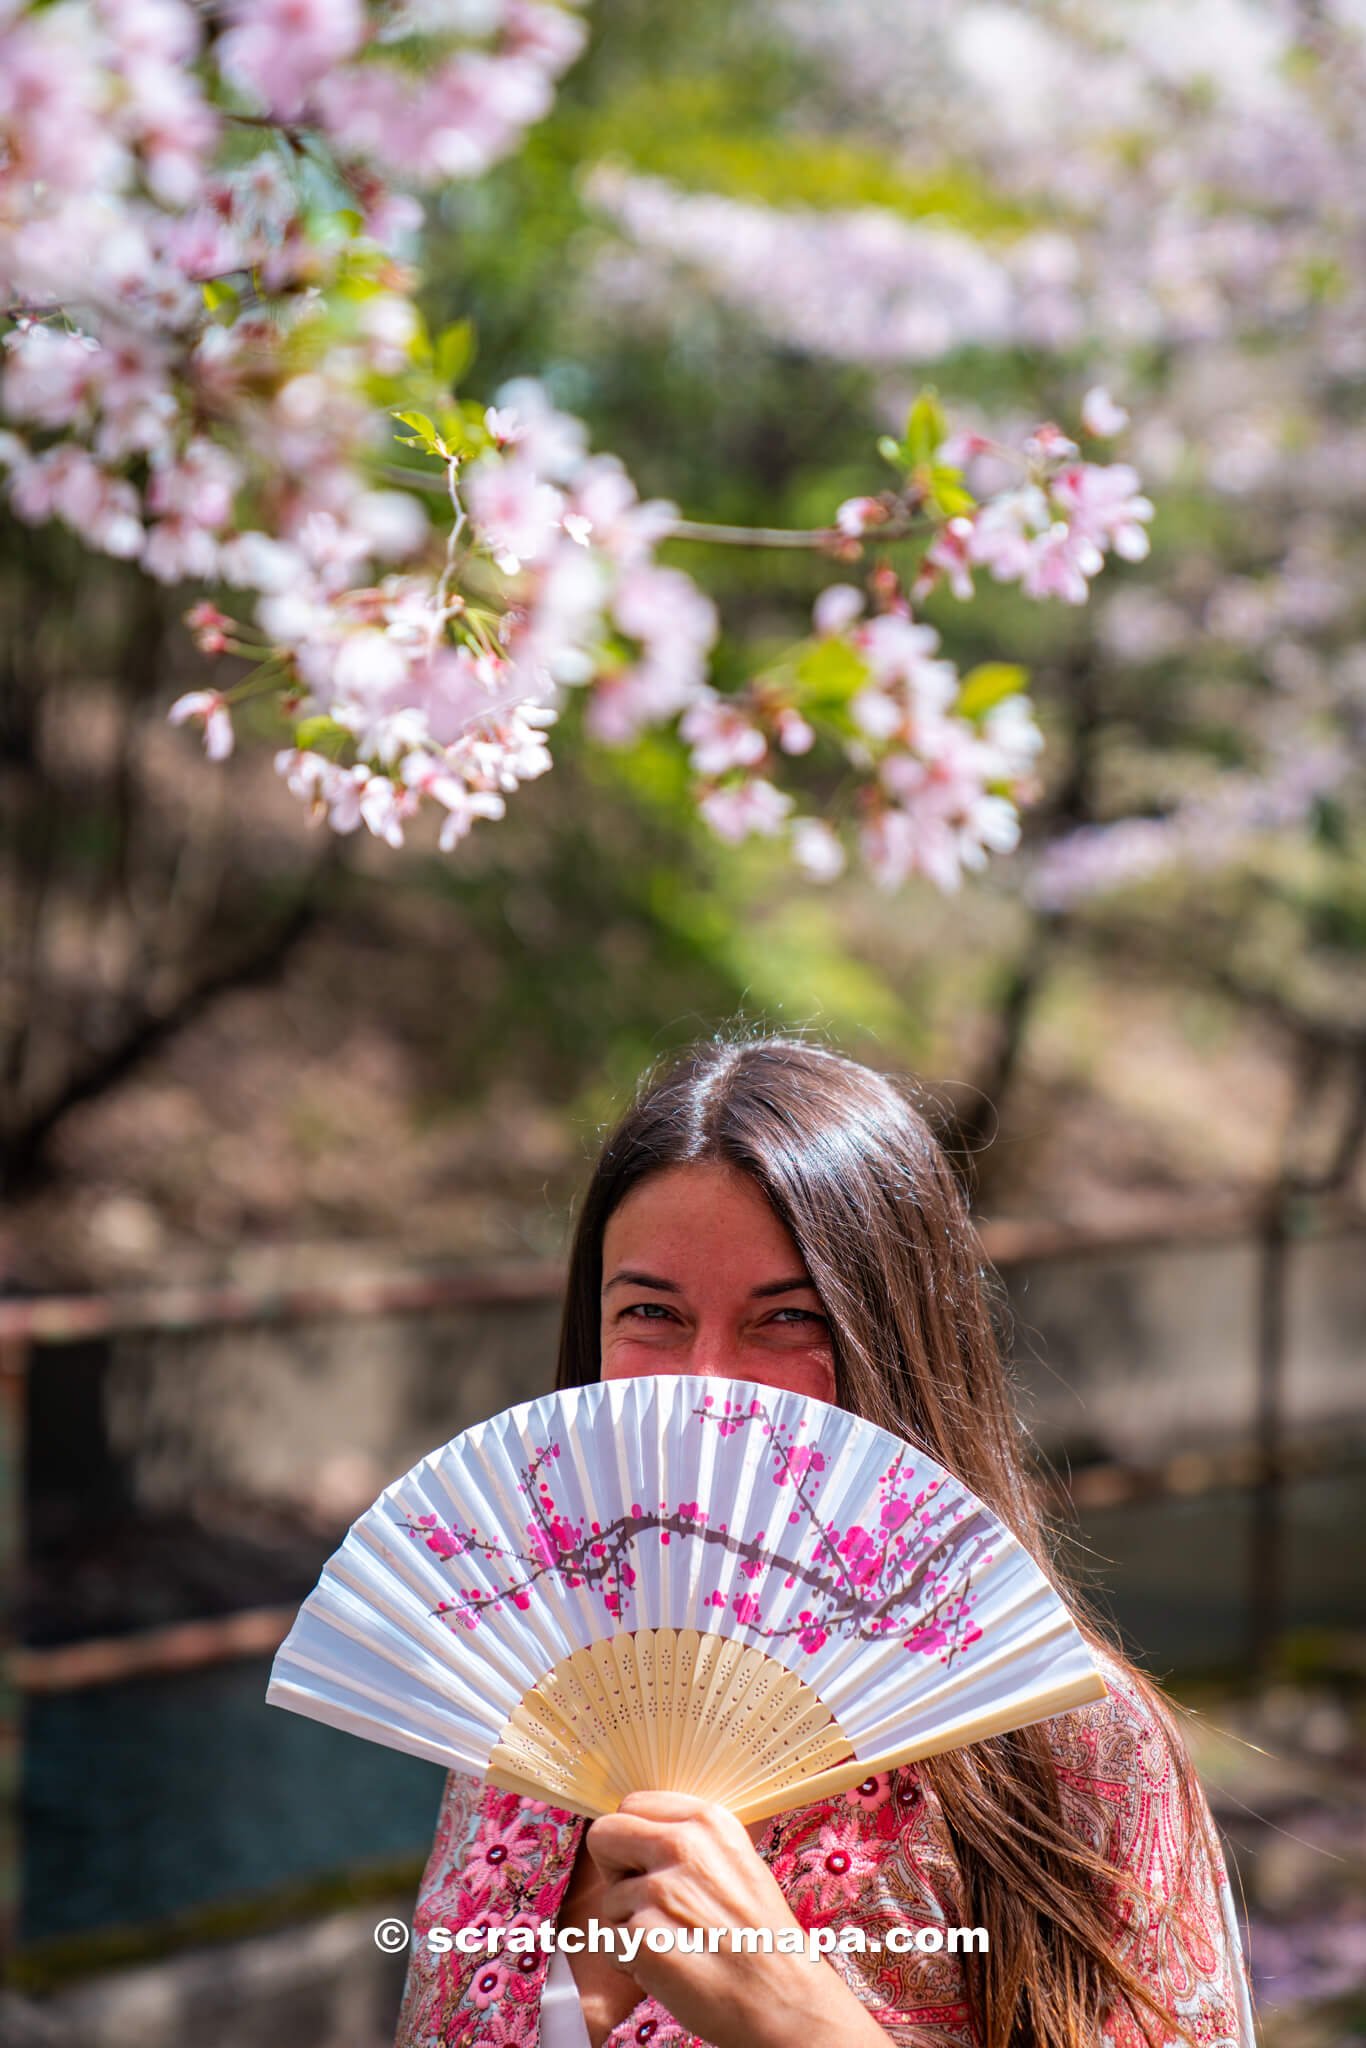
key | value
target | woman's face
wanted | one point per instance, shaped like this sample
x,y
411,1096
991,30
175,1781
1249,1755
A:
x,y
699,1275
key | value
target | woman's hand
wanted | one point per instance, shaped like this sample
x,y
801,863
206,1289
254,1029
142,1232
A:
x,y
671,1861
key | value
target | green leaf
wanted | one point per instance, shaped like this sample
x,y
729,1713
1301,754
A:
x,y
426,434
829,673
988,685
926,428
463,425
454,352
218,292
313,732
948,491
458,436
891,450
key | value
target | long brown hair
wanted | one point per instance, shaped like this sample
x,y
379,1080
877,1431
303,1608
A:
x,y
854,1170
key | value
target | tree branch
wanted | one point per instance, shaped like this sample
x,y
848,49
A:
x,y
149,1030
828,539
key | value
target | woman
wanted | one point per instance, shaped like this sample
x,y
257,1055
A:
x,y
771,1211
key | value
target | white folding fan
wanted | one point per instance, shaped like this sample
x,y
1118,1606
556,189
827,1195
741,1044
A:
x,y
680,1583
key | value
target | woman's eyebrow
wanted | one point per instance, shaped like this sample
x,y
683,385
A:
x,y
628,1278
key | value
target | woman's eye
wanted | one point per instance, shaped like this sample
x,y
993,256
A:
x,y
649,1311
804,1315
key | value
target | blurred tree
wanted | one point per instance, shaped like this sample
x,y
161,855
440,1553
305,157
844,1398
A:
x,y
734,247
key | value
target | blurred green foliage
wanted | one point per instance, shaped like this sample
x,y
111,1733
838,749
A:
x,y
645,930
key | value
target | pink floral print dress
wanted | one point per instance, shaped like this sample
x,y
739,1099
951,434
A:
x,y
878,1857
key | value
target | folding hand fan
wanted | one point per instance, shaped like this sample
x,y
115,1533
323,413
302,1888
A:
x,y
685,1583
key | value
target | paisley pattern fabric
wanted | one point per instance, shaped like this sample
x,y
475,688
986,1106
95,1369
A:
x,y
877,1857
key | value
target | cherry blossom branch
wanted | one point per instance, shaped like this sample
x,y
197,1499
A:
x,y
215,423
849,1612
821,538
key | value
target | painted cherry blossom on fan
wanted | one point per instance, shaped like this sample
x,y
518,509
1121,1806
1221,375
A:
x,y
907,1570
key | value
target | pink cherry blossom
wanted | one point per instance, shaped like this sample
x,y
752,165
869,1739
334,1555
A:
x,y
517,511
949,554
898,842
210,707
836,609
177,551
856,515
279,49
609,515
197,485
1104,503
956,821
1009,741
817,850
210,628
1049,444
738,809
796,735
504,426
1100,415
720,736
901,654
1060,562
49,375
553,442
1003,532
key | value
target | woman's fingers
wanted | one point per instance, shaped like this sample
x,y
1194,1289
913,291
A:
x,y
622,1842
653,1828
685,1807
629,1895
664,1805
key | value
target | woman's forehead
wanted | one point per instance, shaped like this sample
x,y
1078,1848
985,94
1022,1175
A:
x,y
699,1214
